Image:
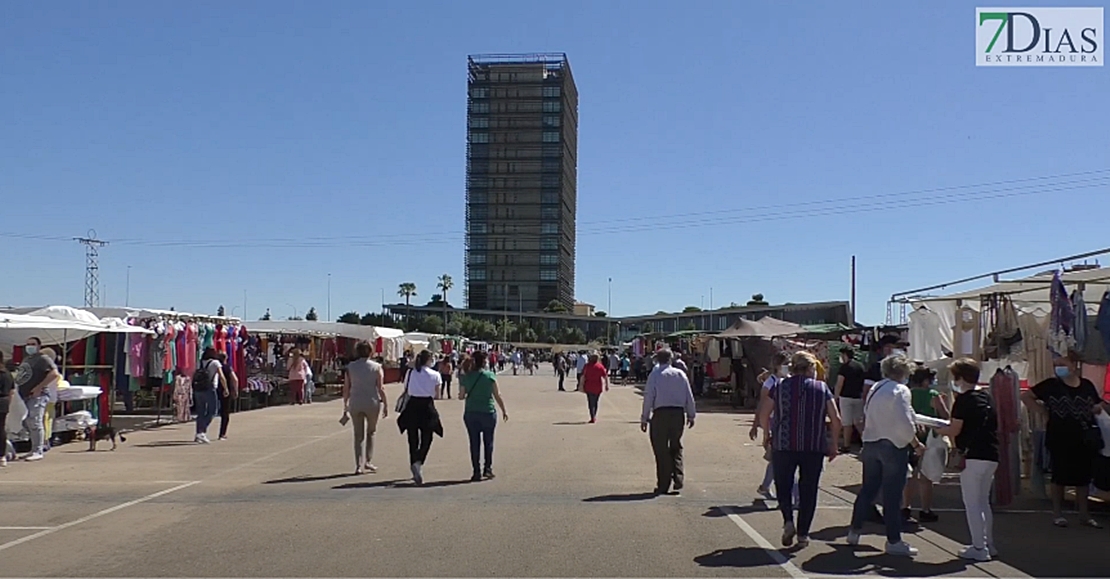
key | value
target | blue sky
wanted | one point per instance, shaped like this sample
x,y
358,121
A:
x,y
746,147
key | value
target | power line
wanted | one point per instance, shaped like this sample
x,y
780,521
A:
x,y
808,209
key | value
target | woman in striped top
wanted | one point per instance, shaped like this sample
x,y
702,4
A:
x,y
800,439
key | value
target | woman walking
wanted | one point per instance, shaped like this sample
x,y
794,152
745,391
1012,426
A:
x,y
298,374
1070,403
446,371
228,396
800,441
208,386
595,380
479,388
974,426
419,416
363,400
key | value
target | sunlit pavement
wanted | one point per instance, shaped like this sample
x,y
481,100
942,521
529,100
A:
x,y
570,499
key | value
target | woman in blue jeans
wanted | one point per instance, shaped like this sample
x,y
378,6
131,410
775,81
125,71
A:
x,y
800,440
479,388
889,436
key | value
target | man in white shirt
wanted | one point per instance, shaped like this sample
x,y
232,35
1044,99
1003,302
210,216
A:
x,y
580,363
889,435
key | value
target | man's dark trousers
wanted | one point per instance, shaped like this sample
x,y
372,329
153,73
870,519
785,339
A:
x,y
667,425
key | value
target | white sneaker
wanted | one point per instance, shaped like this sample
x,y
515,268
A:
x,y
3,460
900,549
980,555
788,532
417,473
370,468
203,439
853,537
33,457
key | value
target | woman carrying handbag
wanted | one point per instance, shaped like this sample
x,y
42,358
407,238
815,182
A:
x,y
417,414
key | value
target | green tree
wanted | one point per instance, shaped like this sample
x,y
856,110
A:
x,y
757,300
407,290
528,335
220,311
690,326
349,318
266,316
505,328
445,284
600,314
311,315
555,307
485,331
431,324
647,328
660,313
691,309
379,320
570,335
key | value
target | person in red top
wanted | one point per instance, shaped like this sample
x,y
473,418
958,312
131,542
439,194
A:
x,y
595,380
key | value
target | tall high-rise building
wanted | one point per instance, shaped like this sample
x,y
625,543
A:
x,y
521,188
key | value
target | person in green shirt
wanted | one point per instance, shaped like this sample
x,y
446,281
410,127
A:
x,y
479,388
926,401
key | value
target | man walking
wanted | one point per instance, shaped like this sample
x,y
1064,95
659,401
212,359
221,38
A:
x,y
668,404
32,378
561,370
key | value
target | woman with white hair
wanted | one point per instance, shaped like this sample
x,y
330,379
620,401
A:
x,y
889,435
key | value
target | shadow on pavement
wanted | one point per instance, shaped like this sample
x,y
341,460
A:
x,y
625,498
757,506
305,479
370,485
570,423
737,557
166,444
405,484
846,560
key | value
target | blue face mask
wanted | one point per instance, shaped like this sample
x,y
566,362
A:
x,y
1062,371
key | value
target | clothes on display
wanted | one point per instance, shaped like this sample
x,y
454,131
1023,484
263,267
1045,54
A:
x,y
1006,392
1061,330
925,325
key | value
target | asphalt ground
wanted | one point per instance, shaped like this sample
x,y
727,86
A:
x,y
570,499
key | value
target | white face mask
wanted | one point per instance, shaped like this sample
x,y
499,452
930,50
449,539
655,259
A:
x,y
898,352
31,350
956,387
784,370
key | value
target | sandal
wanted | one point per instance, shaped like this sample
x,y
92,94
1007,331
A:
x,y
1092,524
1060,522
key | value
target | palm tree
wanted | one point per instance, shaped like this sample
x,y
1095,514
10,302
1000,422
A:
x,y
445,284
407,290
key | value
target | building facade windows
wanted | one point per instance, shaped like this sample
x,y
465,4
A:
x,y
478,274
549,212
480,108
550,180
551,91
549,228
479,137
548,275
478,258
549,243
479,92
479,122
480,228
551,121
549,137
549,259
549,197
550,107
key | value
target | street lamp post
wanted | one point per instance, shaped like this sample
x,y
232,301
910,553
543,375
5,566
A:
x,y
294,309
127,292
609,315
329,297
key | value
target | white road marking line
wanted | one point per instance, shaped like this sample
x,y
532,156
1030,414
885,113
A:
x,y
95,515
790,568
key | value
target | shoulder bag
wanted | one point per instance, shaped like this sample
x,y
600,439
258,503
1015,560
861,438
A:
x,y
403,399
